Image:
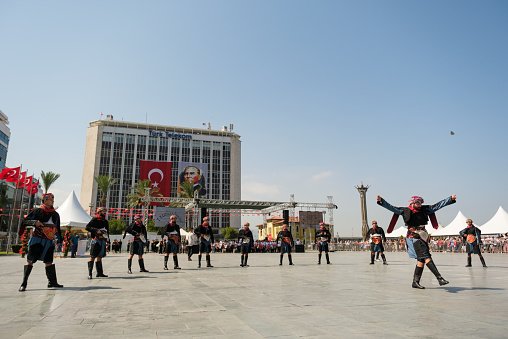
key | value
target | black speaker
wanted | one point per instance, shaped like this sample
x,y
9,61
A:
x,y
203,212
285,215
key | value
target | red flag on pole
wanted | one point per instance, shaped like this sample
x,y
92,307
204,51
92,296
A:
x,y
10,174
27,182
21,180
159,174
33,188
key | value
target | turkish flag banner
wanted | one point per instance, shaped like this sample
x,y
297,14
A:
x,y
25,183
10,174
32,189
159,174
21,180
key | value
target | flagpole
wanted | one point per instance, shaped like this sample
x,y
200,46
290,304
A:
x,y
9,241
21,213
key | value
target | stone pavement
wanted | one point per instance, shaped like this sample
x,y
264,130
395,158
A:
x,y
348,299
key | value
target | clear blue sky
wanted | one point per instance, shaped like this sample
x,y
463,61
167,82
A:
x,y
325,94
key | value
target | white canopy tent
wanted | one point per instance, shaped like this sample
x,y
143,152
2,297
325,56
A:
x,y
72,214
402,231
457,225
497,225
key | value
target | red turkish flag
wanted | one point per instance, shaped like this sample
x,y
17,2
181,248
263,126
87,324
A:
x,y
21,180
32,189
10,174
25,183
159,174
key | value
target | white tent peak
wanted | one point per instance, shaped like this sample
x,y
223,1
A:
x,y
72,214
498,224
457,225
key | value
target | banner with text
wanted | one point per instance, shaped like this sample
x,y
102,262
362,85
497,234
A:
x,y
310,220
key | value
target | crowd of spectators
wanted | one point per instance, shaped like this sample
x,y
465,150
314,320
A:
x,y
449,244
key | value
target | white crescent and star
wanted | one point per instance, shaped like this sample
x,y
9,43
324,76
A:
x,y
155,170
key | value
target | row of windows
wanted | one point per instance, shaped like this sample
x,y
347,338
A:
x,y
124,145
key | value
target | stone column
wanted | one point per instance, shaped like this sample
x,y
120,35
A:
x,y
363,195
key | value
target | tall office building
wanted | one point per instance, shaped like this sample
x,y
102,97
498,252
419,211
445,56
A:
x,y
5,134
116,148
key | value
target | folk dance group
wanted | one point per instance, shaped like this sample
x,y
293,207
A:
x,y
46,223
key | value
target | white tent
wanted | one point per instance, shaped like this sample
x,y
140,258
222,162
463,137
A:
x,y
401,231
72,214
457,225
498,224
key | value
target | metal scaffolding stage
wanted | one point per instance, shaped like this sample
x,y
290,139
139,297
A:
x,y
264,207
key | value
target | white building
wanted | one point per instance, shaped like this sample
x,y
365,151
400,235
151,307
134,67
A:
x,y
5,135
115,148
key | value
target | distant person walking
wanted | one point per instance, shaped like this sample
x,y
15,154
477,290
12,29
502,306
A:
x,y
138,231
41,245
99,228
377,237
473,237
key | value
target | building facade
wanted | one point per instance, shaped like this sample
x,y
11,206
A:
x,y
5,135
115,148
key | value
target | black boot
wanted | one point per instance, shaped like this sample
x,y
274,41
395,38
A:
x,y
483,262
327,259
142,265
199,260
129,265
372,256
208,264
166,262
51,274
90,269
26,273
319,259
100,272
432,267
242,262
384,259
175,262
290,259
245,261
469,262
416,278
281,257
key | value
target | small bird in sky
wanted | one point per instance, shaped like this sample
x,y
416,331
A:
x,y
451,132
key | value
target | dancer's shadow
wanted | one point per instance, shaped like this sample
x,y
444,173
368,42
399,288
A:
x,y
90,288
457,289
131,277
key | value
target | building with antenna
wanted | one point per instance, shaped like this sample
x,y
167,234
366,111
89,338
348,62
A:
x,y
115,148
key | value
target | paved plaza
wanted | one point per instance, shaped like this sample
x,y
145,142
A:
x,y
348,299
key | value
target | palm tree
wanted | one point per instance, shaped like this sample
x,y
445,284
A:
x,y
48,179
104,182
139,191
186,190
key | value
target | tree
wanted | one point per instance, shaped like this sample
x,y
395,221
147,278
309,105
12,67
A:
x,y
116,226
150,227
4,201
48,179
187,189
229,233
139,191
104,182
